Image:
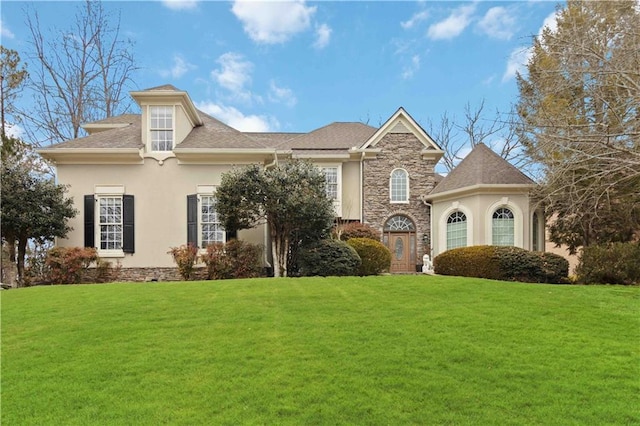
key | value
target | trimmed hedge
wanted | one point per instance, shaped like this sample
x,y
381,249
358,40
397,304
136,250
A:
x,y
375,256
503,263
328,258
616,263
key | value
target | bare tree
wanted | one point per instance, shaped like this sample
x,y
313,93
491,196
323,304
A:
x,y
579,118
457,137
79,74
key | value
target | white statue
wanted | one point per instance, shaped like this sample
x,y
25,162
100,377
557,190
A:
x,y
427,265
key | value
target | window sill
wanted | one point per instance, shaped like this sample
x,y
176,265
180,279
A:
x,y
399,202
110,253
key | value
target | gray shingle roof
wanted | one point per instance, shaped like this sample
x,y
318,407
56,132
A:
x,y
481,167
215,134
118,119
122,137
332,136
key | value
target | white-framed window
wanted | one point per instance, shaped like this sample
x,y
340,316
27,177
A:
x,y
161,128
502,227
399,186
211,230
110,226
331,184
456,230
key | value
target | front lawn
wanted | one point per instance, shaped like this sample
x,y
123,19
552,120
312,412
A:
x,y
377,350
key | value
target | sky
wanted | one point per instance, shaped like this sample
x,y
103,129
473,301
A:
x,y
297,66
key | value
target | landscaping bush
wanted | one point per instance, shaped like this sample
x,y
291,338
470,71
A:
x,y
329,258
234,259
67,265
350,230
616,263
185,257
375,256
503,263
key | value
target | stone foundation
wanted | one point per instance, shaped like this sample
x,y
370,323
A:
x,y
142,275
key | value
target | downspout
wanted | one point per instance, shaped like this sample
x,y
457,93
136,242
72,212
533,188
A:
x,y
362,187
426,203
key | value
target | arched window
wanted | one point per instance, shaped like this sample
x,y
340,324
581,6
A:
x,y
399,186
399,223
503,227
456,230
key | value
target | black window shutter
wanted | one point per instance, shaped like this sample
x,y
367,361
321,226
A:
x,y
128,240
192,219
89,220
231,235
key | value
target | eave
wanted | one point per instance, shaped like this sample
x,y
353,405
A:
x,y
170,96
481,189
223,155
92,155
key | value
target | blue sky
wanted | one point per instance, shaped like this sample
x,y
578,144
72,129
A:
x,y
297,66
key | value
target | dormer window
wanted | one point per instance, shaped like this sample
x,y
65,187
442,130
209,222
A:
x,y
161,128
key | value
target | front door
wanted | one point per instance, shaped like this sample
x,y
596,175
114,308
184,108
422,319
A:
x,y
400,252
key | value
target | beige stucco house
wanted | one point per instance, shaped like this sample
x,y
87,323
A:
x,y
145,182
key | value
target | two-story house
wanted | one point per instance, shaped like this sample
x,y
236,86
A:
x,y
146,182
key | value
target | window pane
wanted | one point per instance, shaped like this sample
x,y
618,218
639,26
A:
x,y
503,227
110,222
331,182
161,128
211,228
456,230
398,185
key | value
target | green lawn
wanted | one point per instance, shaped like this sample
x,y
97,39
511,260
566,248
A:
x,y
382,350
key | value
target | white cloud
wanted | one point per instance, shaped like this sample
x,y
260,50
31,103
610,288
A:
x,y
234,74
273,22
412,68
323,35
453,25
551,22
416,18
517,62
14,130
520,56
236,119
5,32
497,23
281,94
180,68
180,4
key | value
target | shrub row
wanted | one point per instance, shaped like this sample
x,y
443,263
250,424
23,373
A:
x,y
375,256
233,259
350,230
616,263
67,265
503,263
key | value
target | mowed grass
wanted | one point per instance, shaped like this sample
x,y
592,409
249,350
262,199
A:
x,y
380,350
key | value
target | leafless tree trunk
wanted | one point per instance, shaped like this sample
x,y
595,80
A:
x,y
79,74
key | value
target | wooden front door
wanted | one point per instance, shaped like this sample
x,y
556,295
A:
x,y
400,252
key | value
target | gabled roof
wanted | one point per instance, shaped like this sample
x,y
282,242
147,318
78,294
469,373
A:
x,y
332,136
401,119
481,166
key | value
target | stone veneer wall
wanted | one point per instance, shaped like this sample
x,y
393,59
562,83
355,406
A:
x,y
143,274
399,150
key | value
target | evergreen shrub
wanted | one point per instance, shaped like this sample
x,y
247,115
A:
x,y
329,258
616,263
503,263
375,256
